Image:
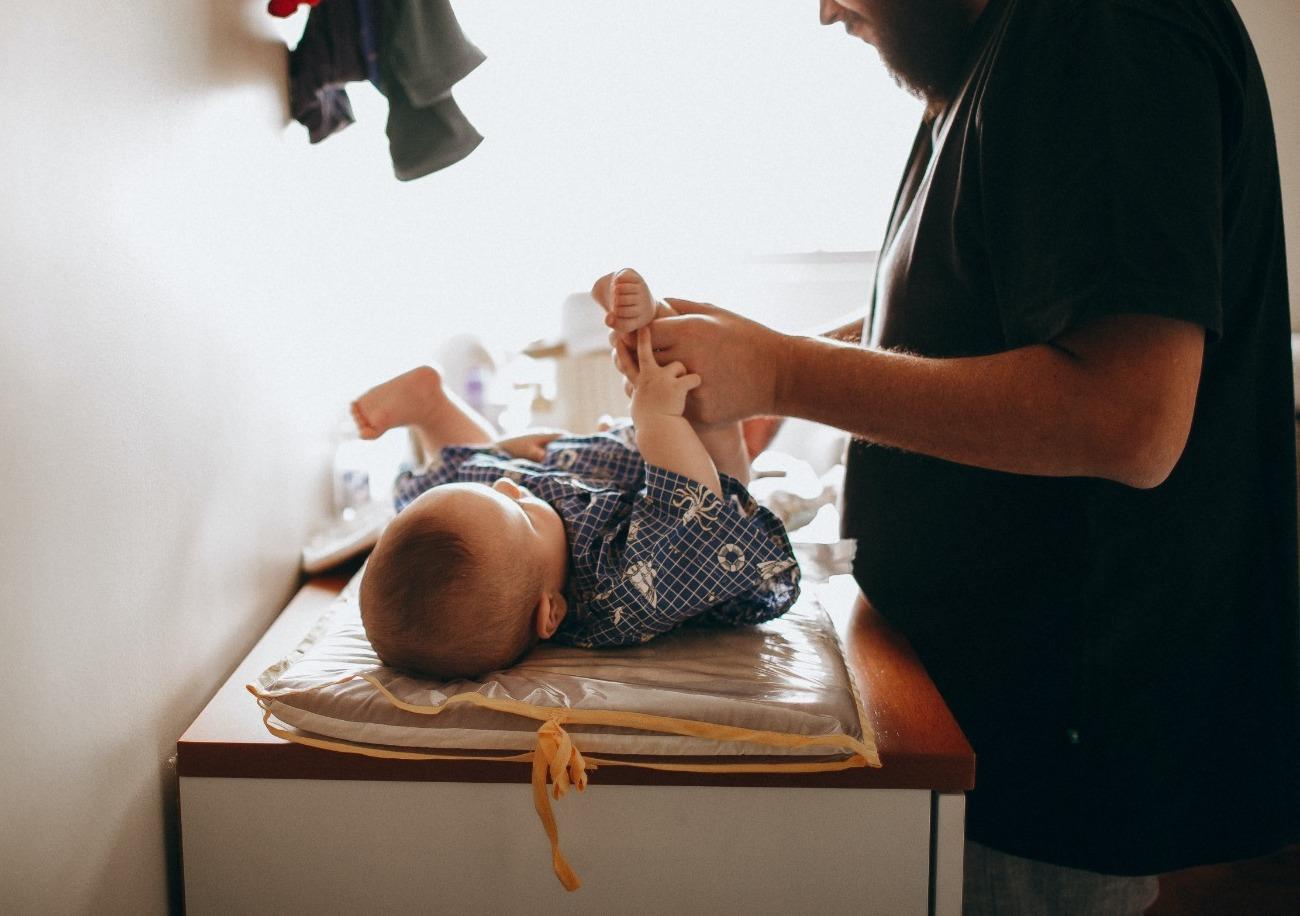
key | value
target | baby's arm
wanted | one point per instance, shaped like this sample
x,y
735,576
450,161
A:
x,y
530,445
663,436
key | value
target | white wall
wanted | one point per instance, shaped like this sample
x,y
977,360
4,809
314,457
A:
x,y
189,295
1274,26
172,351
165,354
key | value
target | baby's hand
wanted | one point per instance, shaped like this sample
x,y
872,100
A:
x,y
630,306
658,389
530,445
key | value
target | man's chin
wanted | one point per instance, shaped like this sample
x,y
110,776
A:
x,y
923,46
932,95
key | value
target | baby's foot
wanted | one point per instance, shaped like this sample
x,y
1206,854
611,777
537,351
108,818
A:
x,y
402,401
630,304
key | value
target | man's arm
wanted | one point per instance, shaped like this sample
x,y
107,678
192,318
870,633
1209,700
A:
x,y
1112,399
758,432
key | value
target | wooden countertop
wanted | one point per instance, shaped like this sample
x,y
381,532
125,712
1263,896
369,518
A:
x,y
920,744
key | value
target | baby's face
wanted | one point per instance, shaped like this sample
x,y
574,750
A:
x,y
508,520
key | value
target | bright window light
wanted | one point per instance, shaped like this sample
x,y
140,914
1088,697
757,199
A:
x,y
685,139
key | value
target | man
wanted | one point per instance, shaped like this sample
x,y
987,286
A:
x,y
1072,478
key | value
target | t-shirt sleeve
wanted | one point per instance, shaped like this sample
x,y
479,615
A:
x,y
686,553
1100,171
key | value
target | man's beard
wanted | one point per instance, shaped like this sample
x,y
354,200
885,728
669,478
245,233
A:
x,y
923,44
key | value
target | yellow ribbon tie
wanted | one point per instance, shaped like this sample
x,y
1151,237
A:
x,y
555,754
565,762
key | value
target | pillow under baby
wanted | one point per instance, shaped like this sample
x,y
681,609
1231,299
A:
x,y
785,677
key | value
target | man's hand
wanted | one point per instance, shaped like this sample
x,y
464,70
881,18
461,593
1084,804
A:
x,y
656,389
530,445
737,360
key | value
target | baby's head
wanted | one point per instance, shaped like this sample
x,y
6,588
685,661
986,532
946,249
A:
x,y
465,580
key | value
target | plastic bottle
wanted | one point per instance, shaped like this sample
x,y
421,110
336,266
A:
x,y
351,471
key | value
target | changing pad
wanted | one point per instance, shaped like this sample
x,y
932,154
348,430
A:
x,y
772,697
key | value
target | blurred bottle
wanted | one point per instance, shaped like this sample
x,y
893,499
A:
x,y
351,471
476,388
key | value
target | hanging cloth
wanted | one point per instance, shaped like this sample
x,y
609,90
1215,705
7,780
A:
x,y
413,50
423,54
329,55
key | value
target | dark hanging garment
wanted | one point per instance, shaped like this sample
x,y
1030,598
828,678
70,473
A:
x,y
413,50
368,21
328,56
423,54
423,140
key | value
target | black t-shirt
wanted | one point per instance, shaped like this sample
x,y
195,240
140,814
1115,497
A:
x,y
1123,661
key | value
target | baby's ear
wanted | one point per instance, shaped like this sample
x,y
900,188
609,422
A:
x,y
551,608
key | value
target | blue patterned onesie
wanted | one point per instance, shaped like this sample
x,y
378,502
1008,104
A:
x,y
648,548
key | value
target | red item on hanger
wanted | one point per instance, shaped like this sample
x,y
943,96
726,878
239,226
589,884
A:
x,y
286,8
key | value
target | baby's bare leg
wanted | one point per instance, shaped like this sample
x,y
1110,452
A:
x,y
726,446
418,399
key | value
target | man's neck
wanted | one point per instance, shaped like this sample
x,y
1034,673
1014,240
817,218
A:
x,y
974,10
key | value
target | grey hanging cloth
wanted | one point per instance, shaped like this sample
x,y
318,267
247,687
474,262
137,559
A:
x,y
329,55
423,54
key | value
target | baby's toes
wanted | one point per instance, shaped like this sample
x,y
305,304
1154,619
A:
x,y
364,429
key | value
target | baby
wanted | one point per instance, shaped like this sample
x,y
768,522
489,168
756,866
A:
x,y
595,541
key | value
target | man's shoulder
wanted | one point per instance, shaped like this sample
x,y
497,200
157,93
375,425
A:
x,y
1175,10
1073,56
1205,19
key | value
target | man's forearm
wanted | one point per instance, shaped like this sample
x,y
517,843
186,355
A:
x,y
1034,410
945,408
757,433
